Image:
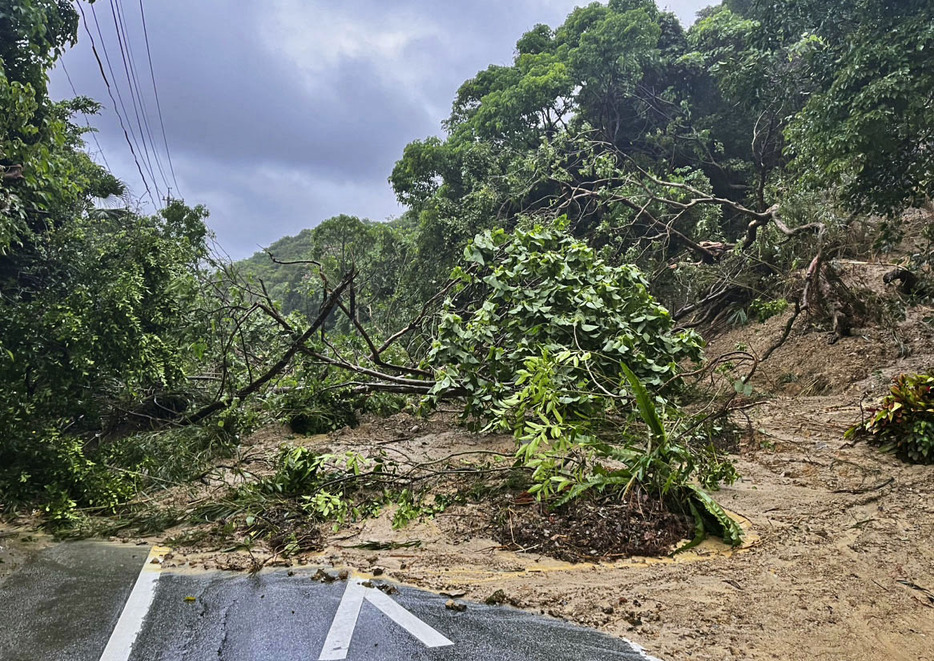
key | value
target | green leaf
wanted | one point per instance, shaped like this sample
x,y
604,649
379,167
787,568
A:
x,y
646,405
712,513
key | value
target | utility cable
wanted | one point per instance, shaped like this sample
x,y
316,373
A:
x,y
129,79
114,79
155,90
139,104
110,92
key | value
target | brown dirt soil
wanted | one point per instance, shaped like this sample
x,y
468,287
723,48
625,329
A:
x,y
812,362
839,558
836,566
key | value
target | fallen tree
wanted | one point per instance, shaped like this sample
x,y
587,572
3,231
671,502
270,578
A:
x,y
537,336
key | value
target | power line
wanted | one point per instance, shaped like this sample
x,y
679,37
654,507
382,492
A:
x,y
141,140
91,129
155,89
139,134
110,92
114,79
124,118
139,105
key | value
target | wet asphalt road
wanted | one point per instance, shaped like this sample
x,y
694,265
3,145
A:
x,y
66,603
63,604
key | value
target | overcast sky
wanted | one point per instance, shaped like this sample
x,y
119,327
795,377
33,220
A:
x,y
280,114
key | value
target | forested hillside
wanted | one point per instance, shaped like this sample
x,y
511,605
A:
x,y
625,185
381,251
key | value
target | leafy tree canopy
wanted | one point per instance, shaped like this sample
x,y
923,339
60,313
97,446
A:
x,y
96,306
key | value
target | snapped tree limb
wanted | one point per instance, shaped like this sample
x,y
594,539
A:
x,y
284,361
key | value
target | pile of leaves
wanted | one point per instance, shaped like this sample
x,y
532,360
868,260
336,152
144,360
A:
x,y
592,529
904,421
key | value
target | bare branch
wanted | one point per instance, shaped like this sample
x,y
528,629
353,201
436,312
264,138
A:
x,y
286,358
415,323
283,262
374,352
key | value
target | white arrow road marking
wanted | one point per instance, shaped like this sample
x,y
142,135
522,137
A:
x,y
345,620
131,619
337,643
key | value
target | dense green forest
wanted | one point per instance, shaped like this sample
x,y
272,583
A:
x,y
622,183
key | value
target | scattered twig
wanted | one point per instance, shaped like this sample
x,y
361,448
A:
x,y
923,590
863,490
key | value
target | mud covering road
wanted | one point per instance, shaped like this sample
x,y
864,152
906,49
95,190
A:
x,y
90,600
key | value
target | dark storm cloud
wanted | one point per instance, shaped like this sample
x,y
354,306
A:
x,y
252,207
262,117
283,113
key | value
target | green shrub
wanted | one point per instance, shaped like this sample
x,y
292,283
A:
x,y
664,468
55,469
176,454
539,311
904,421
297,473
763,310
572,355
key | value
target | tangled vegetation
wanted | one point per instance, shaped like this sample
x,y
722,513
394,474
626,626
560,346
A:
x,y
623,181
558,347
540,311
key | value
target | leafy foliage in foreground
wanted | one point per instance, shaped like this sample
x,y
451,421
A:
x,y
539,305
543,348
307,488
652,461
904,421
97,319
